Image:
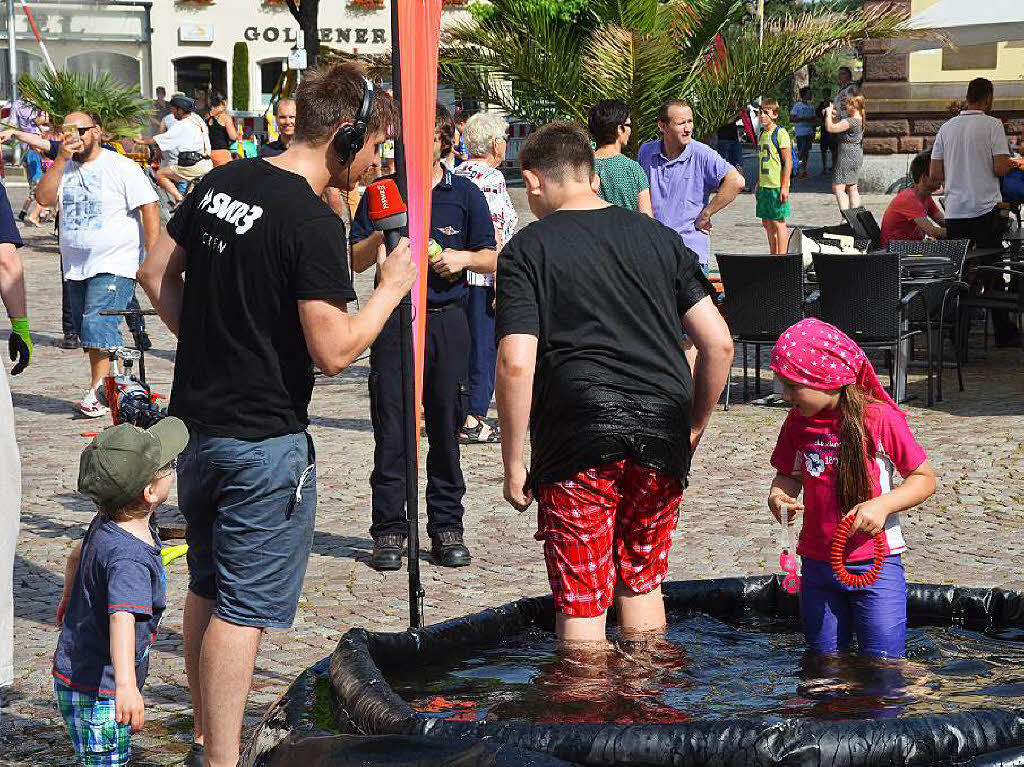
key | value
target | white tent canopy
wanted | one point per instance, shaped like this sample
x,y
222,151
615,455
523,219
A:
x,y
967,22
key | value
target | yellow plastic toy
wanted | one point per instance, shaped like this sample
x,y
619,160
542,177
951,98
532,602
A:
x,y
170,553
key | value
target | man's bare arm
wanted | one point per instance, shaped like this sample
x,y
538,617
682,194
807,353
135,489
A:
x,y
366,252
936,171
517,361
162,277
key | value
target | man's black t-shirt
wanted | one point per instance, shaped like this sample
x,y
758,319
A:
x,y
603,291
258,240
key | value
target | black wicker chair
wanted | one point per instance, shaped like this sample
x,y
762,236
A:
x,y
942,299
1011,301
863,223
861,295
764,295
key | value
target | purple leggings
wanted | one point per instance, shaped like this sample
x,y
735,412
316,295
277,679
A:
x,y
833,612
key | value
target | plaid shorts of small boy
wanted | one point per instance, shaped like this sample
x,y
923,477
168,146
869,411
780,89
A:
x,y
609,522
97,737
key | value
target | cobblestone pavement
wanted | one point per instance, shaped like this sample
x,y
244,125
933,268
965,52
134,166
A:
x,y
968,533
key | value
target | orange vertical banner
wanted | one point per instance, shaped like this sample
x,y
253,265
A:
x,y
419,31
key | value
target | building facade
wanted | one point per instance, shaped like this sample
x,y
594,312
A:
x,y
909,95
189,45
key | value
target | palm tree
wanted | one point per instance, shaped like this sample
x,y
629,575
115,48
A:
x,y
540,64
122,109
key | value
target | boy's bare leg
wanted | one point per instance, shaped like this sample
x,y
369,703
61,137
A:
x,y
769,230
781,236
573,628
226,664
198,611
639,613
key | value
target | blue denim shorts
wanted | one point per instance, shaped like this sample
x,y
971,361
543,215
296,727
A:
x,y
99,293
250,508
833,612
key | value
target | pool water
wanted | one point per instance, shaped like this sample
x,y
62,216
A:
x,y
706,668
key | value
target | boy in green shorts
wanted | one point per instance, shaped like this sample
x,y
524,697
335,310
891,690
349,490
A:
x,y
775,151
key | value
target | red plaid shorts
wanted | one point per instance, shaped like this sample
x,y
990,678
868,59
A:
x,y
612,521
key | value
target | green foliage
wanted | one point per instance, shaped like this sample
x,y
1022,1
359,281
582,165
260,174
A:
x,y
121,108
563,10
538,65
240,77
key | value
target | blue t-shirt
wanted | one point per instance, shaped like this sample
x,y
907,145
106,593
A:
x,y
9,233
459,219
117,573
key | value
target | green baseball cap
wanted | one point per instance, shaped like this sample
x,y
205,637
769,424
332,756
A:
x,y
120,461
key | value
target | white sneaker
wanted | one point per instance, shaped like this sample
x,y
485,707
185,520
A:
x,y
91,407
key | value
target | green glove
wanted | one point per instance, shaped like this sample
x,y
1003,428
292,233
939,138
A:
x,y
20,344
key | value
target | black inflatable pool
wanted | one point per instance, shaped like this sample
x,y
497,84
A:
x,y
989,736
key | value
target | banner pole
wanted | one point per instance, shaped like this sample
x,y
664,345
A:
x,y
409,413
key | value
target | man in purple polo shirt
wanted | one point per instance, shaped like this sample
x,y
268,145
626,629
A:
x,y
684,173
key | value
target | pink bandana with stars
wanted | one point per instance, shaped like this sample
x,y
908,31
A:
x,y
816,354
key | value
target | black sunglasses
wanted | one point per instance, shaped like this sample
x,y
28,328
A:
x,y
80,129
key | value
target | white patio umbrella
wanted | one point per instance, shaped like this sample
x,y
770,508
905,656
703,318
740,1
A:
x,y
966,22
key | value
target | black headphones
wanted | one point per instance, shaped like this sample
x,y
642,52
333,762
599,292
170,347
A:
x,y
349,138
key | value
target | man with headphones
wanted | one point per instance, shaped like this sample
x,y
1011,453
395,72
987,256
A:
x,y
252,278
460,223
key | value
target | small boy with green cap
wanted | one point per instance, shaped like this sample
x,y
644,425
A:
x,y
114,590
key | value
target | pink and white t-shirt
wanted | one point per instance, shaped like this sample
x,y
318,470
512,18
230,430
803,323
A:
x,y
808,448
491,182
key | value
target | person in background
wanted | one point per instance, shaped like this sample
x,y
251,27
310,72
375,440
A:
x,y
459,152
188,137
847,88
160,110
849,131
805,119
730,146
912,214
775,150
969,156
684,173
460,222
222,130
108,221
284,116
169,119
12,291
485,134
827,142
623,181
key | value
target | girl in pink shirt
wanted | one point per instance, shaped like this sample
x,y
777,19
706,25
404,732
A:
x,y
841,444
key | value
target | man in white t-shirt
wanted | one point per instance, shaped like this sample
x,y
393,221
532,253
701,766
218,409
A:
x,y
969,157
108,220
187,138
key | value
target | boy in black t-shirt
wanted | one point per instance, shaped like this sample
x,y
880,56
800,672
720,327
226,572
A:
x,y
592,304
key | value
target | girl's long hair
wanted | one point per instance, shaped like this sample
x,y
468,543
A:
x,y
856,103
855,449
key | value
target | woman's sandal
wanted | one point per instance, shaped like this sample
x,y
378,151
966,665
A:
x,y
485,432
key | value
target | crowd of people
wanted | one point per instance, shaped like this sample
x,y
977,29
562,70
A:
x,y
615,381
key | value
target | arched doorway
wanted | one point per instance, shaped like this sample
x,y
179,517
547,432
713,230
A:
x,y
199,76
125,69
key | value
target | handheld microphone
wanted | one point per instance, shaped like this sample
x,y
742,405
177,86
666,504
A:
x,y
388,213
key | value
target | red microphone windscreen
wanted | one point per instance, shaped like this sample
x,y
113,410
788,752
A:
x,y
385,199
